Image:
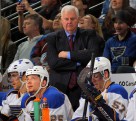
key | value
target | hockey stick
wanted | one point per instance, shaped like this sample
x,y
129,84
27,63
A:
x,y
91,72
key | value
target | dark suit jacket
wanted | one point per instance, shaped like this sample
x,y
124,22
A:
x,y
86,42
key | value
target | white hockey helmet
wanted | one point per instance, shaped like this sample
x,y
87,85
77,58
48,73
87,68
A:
x,y
100,65
39,70
20,66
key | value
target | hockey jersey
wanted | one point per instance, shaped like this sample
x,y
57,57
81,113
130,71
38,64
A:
x,y
11,105
115,96
131,110
58,103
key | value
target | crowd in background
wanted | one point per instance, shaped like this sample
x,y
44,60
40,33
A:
x,y
62,41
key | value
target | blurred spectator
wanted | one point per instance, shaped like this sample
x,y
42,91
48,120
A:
x,y
133,3
8,48
8,11
82,6
107,27
90,22
96,7
50,8
104,11
5,3
68,52
132,11
120,49
32,27
39,51
106,6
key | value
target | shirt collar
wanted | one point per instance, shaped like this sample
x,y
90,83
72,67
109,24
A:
x,y
67,33
34,38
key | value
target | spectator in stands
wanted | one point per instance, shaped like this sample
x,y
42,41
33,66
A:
x,y
120,49
104,11
8,11
32,27
107,27
133,3
82,6
39,51
132,11
90,22
50,8
68,52
94,5
106,6
8,48
11,104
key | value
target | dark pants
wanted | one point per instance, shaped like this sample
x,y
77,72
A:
x,y
74,96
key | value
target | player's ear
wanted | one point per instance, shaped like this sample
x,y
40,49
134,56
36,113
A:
x,y
44,83
106,74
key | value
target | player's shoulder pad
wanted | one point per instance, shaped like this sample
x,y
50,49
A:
x,y
118,89
12,91
132,93
26,99
55,98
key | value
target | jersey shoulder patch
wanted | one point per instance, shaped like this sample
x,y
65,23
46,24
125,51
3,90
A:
x,y
55,98
118,89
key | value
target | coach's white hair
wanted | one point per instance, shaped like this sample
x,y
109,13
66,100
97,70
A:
x,y
69,8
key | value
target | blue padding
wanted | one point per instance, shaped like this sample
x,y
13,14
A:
x,y
2,96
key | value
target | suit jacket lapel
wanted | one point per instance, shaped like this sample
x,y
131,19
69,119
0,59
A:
x,y
77,43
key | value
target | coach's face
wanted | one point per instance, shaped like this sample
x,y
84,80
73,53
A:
x,y
70,21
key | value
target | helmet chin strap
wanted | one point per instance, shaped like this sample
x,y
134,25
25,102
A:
x,y
105,80
20,79
22,82
42,78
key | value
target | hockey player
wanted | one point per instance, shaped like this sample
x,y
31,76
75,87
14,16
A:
x,y
11,105
109,99
131,110
37,80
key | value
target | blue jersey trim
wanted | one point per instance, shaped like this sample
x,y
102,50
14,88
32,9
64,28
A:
x,y
54,98
132,93
118,89
24,99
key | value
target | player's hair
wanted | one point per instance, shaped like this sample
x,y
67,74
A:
x,y
37,19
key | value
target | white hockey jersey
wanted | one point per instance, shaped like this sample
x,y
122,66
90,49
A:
x,y
58,103
131,110
11,105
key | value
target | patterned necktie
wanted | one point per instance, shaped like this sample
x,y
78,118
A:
x,y
71,43
73,77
